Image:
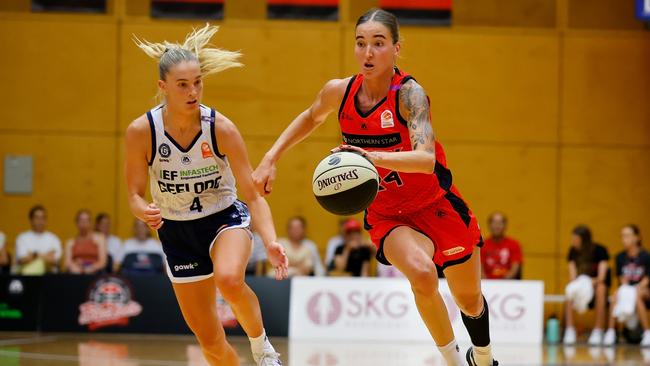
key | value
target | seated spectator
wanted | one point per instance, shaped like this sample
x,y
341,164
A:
x,y
141,253
37,251
113,243
255,266
633,272
302,253
333,243
589,260
388,271
353,256
85,253
5,262
500,255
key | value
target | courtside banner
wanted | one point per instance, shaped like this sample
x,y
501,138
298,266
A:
x,y
384,309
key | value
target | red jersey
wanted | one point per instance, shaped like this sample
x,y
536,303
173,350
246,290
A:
x,y
497,258
382,128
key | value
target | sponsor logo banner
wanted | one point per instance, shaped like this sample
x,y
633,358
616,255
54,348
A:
x,y
384,309
110,302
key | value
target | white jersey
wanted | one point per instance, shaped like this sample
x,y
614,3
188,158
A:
x,y
188,184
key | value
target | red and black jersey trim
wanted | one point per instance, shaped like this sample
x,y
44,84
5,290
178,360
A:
x,y
347,93
460,207
444,176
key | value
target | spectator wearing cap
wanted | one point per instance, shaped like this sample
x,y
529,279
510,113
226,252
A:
x,y
501,255
353,256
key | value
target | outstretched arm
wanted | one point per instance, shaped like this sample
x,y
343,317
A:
x,y
232,145
328,100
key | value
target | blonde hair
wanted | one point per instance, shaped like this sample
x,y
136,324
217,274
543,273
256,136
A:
x,y
194,48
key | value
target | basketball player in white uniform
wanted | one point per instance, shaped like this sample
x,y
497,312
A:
x,y
191,155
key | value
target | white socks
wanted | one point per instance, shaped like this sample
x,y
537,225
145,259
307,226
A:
x,y
258,345
451,354
482,355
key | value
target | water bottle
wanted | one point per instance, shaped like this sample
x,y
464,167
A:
x,y
552,330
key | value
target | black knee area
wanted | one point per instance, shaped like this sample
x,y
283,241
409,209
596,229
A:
x,y
478,327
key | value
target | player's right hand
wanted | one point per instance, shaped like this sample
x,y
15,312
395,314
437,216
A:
x,y
152,216
264,176
278,259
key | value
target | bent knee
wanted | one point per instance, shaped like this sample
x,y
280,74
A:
x,y
470,303
229,283
424,280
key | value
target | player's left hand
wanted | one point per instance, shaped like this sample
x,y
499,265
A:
x,y
366,154
278,259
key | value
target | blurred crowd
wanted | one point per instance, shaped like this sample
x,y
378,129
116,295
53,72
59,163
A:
x,y
618,310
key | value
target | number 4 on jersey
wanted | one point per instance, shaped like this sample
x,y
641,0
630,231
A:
x,y
196,205
392,176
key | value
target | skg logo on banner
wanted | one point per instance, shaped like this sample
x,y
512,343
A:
x,y
384,309
110,302
324,308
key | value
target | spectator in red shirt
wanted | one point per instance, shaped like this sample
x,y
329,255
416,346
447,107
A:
x,y
500,256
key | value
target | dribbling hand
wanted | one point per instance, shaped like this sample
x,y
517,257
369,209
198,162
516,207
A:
x,y
366,154
263,177
278,259
152,216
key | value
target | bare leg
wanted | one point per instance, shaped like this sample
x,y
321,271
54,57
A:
x,y
412,252
465,284
568,314
601,305
642,311
198,302
230,254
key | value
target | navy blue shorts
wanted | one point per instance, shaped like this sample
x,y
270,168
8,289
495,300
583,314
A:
x,y
187,244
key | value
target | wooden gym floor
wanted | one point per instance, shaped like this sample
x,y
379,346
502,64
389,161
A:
x,y
63,349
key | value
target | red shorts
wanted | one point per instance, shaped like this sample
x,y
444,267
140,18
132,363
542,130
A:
x,y
449,224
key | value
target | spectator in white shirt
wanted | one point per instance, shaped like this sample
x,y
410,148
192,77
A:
x,y
38,251
304,259
141,242
113,243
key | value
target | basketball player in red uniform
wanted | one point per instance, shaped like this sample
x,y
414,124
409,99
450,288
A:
x,y
418,219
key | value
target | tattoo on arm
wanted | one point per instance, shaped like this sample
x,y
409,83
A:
x,y
416,111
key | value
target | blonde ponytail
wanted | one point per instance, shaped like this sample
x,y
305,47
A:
x,y
194,48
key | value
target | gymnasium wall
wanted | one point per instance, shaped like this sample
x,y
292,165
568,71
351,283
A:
x,y
542,107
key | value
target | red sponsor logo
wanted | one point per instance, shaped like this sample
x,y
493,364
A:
x,y
109,303
206,151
